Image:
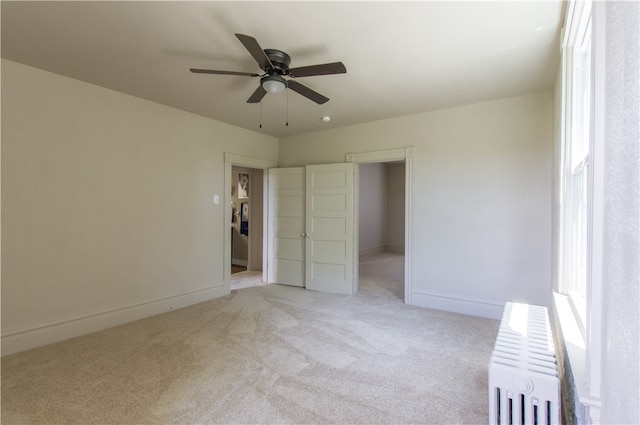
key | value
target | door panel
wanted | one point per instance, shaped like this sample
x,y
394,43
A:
x,y
329,228
329,225
330,202
286,226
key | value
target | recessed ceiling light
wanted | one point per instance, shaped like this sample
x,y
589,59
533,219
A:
x,y
326,118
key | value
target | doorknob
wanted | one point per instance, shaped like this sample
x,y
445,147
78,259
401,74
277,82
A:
x,y
304,235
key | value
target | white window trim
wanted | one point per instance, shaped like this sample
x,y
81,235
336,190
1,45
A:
x,y
594,341
583,337
578,23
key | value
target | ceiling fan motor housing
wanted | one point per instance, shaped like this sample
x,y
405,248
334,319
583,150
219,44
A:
x,y
279,59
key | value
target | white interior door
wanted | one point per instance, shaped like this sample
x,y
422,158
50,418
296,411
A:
x,y
286,226
329,228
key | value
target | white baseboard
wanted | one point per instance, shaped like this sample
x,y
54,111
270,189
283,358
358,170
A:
x,y
237,262
471,307
397,249
48,333
371,251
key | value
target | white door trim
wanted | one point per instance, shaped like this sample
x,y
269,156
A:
x,y
390,155
231,159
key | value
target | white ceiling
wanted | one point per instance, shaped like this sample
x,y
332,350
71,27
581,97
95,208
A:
x,y
401,57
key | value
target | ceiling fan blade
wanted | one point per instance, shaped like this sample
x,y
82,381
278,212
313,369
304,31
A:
x,y
257,95
213,71
323,69
307,92
251,44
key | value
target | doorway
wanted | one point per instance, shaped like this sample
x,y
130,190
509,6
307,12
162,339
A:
x,y
244,234
381,228
246,219
246,227
401,155
392,155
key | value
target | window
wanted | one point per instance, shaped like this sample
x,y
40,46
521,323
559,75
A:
x,y
580,181
576,164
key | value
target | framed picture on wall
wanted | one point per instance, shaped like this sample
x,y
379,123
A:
x,y
245,211
243,185
244,218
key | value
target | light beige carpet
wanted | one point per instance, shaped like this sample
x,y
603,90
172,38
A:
x,y
246,279
266,354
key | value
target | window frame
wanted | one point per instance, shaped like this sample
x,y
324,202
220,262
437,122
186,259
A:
x,y
584,19
576,197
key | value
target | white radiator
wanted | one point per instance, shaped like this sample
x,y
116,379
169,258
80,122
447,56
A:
x,y
523,376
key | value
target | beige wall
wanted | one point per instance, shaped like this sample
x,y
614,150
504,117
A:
x,y
108,210
482,207
381,209
372,209
394,235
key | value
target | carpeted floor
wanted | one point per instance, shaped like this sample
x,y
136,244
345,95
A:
x,y
246,279
265,354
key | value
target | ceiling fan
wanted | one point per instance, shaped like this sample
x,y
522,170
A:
x,y
275,64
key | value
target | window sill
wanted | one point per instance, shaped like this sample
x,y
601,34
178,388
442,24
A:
x,y
574,346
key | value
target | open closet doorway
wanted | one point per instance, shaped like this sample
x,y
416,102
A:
x,y
381,228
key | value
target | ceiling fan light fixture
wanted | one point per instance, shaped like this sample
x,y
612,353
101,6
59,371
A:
x,y
274,84
275,64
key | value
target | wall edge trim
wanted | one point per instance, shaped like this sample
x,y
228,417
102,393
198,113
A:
x,y
60,330
468,306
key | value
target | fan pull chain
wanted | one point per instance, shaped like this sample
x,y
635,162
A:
x,y
261,114
287,123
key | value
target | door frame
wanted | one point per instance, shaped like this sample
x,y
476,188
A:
x,y
231,160
390,155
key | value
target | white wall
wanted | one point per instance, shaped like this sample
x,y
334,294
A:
x,y
108,210
621,210
482,180
372,213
